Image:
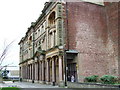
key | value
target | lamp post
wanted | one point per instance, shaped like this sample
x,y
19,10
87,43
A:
x,y
65,68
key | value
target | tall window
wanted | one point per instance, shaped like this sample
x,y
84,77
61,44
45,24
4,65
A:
x,y
54,38
52,31
51,19
30,39
50,39
38,32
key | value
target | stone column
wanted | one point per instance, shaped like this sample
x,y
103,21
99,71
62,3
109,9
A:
x,y
47,73
33,71
39,71
42,71
60,68
36,71
50,69
26,72
53,69
30,71
22,71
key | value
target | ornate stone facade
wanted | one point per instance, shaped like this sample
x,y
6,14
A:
x,y
41,59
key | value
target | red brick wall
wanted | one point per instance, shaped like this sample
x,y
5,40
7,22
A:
x,y
119,37
94,39
113,35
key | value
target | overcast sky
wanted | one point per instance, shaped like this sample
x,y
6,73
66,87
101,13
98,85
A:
x,y
15,17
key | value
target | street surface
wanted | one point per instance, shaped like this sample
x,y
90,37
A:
x,y
25,85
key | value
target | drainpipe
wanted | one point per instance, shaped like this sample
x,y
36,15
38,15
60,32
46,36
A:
x,y
65,55
65,63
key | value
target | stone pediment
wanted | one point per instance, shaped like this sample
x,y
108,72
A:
x,y
39,52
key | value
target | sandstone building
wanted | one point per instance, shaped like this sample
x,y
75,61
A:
x,y
71,38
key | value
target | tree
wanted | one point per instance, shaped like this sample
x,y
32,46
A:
x,y
3,56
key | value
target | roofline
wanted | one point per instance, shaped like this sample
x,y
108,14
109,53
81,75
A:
x,y
21,40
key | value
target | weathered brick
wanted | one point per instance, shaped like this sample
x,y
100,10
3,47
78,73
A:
x,y
93,32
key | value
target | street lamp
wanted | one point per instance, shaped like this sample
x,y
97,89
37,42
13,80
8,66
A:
x,y
65,63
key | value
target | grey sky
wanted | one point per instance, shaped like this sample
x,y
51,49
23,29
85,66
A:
x,y
15,17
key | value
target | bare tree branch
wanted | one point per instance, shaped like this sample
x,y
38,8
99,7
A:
x,y
5,52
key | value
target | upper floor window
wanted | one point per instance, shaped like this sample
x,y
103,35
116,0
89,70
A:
x,y
51,19
36,35
40,42
30,40
42,29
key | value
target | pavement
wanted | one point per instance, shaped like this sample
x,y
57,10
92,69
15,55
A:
x,y
25,85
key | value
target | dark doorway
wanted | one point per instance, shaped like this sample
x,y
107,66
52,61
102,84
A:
x,y
72,71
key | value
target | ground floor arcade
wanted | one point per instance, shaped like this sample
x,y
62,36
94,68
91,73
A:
x,y
46,71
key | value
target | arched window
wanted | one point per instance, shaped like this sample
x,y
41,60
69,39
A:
x,y
51,19
30,40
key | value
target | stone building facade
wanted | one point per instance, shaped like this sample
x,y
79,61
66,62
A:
x,y
71,39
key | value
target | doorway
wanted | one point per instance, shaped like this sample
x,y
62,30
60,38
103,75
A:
x,y
72,71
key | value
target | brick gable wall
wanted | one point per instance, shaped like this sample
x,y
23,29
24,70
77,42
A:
x,y
92,31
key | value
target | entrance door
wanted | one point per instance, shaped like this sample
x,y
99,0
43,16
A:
x,y
72,71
